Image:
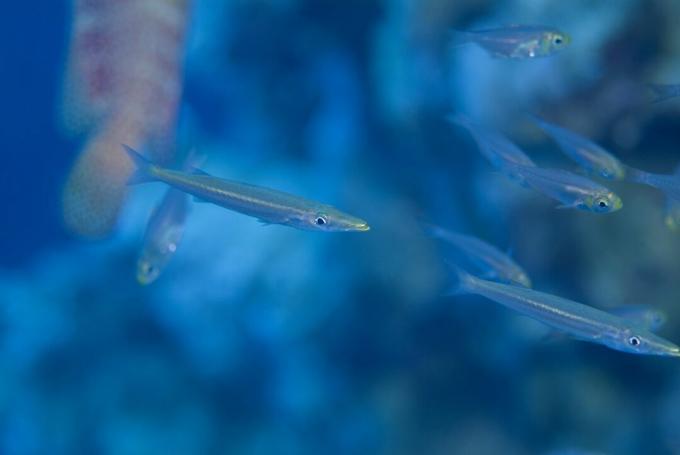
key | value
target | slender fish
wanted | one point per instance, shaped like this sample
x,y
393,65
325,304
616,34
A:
x,y
496,148
586,153
515,41
572,190
268,205
493,262
577,320
164,231
669,185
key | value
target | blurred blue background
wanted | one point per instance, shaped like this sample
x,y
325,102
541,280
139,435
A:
x,y
262,340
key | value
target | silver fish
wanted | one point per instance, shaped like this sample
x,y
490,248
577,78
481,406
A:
x,y
575,319
572,190
268,205
586,153
516,41
164,231
496,148
490,259
669,185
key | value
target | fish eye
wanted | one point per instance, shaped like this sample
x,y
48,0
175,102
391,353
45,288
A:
x,y
634,341
321,220
558,40
602,204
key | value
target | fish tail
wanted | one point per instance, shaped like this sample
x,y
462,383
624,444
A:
x,y
662,92
143,167
463,282
636,175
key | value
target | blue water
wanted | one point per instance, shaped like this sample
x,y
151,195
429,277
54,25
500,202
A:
x,y
261,340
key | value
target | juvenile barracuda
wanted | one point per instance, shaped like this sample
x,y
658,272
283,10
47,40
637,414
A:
x,y
164,231
496,148
515,41
268,205
586,153
575,319
572,190
668,184
494,263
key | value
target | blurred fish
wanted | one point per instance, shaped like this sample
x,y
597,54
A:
x,y
268,205
669,185
515,41
494,263
572,190
586,153
644,316
495,147
575,319
664,92
164,231
672,209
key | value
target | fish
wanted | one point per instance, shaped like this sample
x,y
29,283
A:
x,y
495,264
672,209
577,320
663,92
164,231
493,145
572,190
586,153
268,205
668,184
515,41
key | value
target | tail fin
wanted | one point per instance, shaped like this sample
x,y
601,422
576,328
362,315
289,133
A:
x,y
636,175
463,282
663,92
143,166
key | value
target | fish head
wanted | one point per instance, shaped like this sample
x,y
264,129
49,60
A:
x,y
330,219
521,278
604,203
147,270
613,171
640,341
554,41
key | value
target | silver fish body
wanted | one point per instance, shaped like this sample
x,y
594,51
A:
x,y
163,235
516,41
572,190
494,146
487,257
669,184
586,153
268,205
573,318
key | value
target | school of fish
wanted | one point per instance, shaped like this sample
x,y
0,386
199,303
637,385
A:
x,y
496,275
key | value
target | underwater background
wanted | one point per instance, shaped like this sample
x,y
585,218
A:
x,y
266,339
